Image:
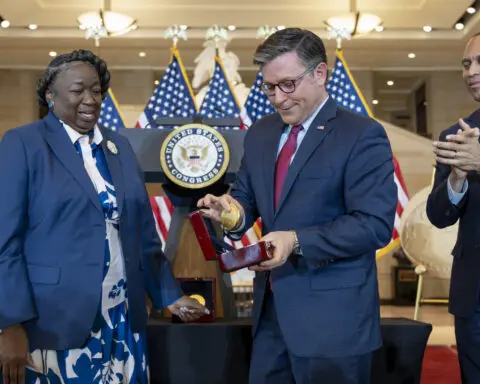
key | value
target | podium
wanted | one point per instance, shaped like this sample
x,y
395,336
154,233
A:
x,y
182,248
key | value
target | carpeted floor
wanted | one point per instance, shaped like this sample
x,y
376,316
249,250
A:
x,y
440,366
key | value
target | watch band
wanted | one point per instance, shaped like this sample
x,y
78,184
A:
x,y
296,244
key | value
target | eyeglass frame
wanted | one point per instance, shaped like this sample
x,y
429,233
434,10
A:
x,y
294,82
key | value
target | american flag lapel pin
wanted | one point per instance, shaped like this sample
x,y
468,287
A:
x,y
321,127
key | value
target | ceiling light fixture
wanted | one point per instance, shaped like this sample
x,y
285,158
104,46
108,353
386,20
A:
x,y
52,53
471,10
142,54
375,102
105,23
427,28
459,26
231,28
4,23
390,83
379,28
411,55
33,27
354,22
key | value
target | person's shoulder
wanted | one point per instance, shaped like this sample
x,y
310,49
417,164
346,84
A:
x,y
356,123
25,131
267,121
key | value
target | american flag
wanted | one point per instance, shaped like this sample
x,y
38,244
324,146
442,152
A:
x,y
173,96
344,90
257,104
220,100
110,115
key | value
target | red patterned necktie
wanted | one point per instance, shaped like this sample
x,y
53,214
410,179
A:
x,y
283,162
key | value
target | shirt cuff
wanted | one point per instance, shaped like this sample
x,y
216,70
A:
x,y
456,197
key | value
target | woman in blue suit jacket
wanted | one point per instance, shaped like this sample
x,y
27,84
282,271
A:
x,y
78,245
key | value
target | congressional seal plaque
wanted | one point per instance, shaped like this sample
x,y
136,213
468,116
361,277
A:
x,y
194,156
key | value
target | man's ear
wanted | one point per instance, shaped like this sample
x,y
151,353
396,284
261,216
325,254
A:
x,y
321,73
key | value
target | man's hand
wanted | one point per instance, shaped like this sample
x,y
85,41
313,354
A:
x,y
188,309
281,245
461,151
213,206
13,354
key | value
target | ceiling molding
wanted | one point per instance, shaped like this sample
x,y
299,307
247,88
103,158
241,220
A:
x,y
194,33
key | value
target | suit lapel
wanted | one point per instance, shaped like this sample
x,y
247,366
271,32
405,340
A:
x,y
57,138
316,133
270,159
115,167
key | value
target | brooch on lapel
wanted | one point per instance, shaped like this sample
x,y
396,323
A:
x,y
112,147
321,127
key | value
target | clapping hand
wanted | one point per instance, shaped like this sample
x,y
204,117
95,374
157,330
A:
x,y
461,150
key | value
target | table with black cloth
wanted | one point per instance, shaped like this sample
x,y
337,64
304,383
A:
x,y
219,352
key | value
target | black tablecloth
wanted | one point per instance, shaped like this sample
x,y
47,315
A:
x,y
219,352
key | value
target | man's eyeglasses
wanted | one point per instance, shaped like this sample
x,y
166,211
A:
x,y
286,86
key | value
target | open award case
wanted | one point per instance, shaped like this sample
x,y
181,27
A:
x,y
215,248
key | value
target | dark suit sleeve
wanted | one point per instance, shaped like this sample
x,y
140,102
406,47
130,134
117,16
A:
x,y
161,285
242,191
440,211
370,198
16,302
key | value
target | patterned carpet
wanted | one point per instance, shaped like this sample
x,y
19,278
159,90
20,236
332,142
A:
x,y
440,366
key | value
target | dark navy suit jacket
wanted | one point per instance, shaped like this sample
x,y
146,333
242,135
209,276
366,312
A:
x,y
465,279
52,237
340,197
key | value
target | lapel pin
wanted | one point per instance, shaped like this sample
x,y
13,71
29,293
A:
x,y
321,127
112,147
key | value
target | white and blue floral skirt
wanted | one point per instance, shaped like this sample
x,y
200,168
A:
x,y
113,354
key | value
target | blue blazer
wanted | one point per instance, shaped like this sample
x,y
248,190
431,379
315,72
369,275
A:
x,y
465,279
340,197
52,237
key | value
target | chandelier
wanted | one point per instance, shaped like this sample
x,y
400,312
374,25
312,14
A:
x,y
354,22
105,23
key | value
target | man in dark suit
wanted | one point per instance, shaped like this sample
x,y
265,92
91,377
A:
x,y
321,178
456,196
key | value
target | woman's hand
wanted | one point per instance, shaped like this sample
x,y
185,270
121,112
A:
x,y
188,309
13,354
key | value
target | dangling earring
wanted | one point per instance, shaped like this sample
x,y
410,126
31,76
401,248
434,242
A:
x,y
50,104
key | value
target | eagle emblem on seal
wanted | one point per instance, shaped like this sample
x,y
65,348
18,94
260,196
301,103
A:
x,y
193,157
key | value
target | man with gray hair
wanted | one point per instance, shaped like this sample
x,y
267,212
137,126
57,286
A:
x,y
321,178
